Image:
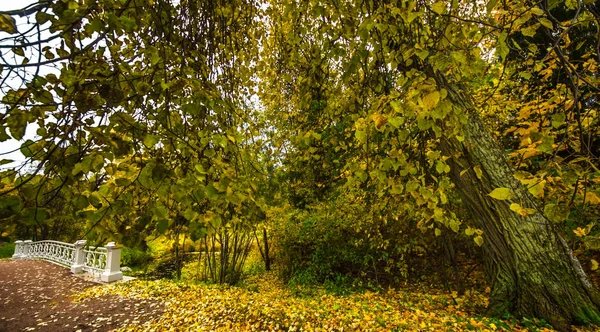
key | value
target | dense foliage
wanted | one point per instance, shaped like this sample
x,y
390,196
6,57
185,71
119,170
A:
x,y
353,143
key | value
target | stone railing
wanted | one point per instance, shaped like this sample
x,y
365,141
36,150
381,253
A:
x,y
103,262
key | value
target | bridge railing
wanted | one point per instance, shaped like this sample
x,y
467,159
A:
x,y
102,262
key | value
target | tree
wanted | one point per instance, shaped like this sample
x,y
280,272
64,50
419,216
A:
x,y
144,101
413,69
158,96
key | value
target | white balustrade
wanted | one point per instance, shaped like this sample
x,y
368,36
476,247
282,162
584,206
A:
x,y
95,260
102,262
112,270
18,248
78,257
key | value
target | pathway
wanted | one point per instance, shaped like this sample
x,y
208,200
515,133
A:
x,y
38,296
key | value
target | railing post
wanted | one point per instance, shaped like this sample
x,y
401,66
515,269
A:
x,y
18,247
26,247
112,272
78,257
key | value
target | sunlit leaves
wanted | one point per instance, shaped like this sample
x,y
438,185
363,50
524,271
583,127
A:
x,y
520,210
545,22
592,198
431,99
501,194
267,305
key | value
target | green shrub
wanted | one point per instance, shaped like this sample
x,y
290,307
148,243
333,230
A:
x,y
7,250
134,257
322,248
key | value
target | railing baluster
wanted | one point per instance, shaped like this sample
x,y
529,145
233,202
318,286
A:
x,y
18,245
78,257
26,248
112,271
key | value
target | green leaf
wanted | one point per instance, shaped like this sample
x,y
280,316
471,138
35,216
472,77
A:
x,y
26,148
501,46
501,194
558,119
361,136
439,7
162,226
45,97
211,191
423,123
150,140
200,169
396,121
396,106
80,202
121,182
160,212
556,213
42,17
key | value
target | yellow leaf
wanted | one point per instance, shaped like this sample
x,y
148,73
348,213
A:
x,y
537,11
520,210
537,190
501,194
379,119
546,22
5,234
431,99
580,231
438,232
594,265
478,172
478,240
592,198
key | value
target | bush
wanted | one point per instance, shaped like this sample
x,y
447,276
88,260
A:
x,y
7,250
323,247
134,257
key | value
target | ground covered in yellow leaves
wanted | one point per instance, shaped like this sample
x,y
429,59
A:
x,y
267,305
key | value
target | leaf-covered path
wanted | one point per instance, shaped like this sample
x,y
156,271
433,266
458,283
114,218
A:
x,y
37,295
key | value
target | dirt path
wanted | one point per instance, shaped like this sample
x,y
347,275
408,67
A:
x,y
38,296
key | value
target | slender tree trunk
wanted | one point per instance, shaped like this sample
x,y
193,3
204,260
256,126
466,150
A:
x,y
266,244
532,270
450,256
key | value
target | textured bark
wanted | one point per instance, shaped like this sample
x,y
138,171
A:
x,y
532,270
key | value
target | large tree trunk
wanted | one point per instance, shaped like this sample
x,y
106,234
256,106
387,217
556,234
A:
x,y
532,270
